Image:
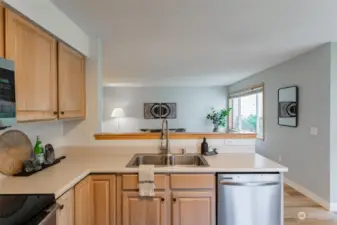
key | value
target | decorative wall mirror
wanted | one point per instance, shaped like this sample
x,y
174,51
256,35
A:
x,y
288,106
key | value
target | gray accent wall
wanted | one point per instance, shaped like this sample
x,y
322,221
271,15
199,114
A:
x,y
333,124
306,155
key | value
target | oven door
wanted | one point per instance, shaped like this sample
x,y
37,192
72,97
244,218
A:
x,y
46,217
50,216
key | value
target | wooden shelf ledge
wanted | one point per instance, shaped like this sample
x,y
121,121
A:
x,y
146,136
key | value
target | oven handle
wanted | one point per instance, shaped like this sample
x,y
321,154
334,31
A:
x,y
249,184
50,216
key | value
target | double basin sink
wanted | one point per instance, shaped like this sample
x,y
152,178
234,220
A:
x,y
194,160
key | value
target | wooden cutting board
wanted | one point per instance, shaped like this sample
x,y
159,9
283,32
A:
x,y
15,148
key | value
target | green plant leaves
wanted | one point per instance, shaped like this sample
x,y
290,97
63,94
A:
x,y
219,118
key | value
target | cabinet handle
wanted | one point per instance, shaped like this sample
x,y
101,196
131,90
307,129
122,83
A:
x,y
62,113
55,113
60,206
162,199
174,200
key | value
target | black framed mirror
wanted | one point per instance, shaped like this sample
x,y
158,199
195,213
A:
x,y
288,106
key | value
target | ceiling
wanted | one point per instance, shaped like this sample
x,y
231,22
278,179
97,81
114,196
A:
x,y
200,42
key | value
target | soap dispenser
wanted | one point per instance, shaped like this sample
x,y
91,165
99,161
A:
x,y
204,147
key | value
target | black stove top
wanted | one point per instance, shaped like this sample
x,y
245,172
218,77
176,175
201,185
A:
x,y
24,209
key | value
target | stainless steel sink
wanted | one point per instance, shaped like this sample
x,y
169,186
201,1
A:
x,y
188,160
157,160
195,160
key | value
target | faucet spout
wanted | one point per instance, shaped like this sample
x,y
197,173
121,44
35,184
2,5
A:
x,y
166,130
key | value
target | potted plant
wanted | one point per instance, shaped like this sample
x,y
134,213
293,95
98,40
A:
x,y
218,118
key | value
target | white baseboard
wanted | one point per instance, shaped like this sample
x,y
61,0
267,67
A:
x,y
333,207
319,200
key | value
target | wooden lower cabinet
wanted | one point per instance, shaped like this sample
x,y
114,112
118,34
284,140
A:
x,y
114,200
193,208
193,199
103,199
83,204
65,211
95,200
180,199
145,211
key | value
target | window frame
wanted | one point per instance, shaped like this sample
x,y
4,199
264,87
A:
x,y
241,92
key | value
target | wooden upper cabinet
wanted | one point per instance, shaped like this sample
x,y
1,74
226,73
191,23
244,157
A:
x,y
34,52
83,203
104,199
193,208
144,211
71,80
65,212
49,77
2,31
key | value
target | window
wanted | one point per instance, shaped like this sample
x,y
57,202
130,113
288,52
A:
x,y
247,111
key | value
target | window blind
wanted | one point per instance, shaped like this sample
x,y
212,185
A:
x,y
249,91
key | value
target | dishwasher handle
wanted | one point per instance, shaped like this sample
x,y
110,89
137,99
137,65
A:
x,y
249,184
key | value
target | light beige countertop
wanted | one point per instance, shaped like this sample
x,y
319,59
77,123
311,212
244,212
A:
x,y
82,161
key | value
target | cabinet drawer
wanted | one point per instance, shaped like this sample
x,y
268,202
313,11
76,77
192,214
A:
x,y
192,181
130,182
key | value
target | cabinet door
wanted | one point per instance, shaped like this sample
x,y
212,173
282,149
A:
x,y
2,31
145,211
104,199
193,208
71,78
34,52
65,212
83,213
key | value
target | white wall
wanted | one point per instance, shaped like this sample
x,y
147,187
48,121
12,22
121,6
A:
x,y
50,132
44,13
193,104
80,133
307,156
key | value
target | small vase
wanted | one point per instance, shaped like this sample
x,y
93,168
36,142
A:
x,y
223,130
220,129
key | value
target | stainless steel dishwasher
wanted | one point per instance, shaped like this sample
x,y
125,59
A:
x,y
249,199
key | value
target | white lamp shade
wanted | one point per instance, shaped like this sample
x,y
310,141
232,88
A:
x,y
118,113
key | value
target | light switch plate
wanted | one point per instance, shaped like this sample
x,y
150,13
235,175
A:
x,y
313,131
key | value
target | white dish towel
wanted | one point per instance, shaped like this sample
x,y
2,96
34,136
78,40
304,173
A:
x,y
146,180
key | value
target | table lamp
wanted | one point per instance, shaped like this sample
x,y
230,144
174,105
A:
x,y
118,113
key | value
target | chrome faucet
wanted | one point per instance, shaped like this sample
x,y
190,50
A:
x,y
165,148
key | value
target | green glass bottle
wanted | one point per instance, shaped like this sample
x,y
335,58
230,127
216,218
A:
x,y
39,151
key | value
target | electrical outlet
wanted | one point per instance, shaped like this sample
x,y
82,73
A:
x,y
229,142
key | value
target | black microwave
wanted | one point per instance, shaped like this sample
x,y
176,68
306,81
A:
x,y
7,93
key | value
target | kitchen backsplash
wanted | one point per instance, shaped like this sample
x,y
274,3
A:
x,y
50,132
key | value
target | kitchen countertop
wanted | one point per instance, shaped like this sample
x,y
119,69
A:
x,y
63,176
